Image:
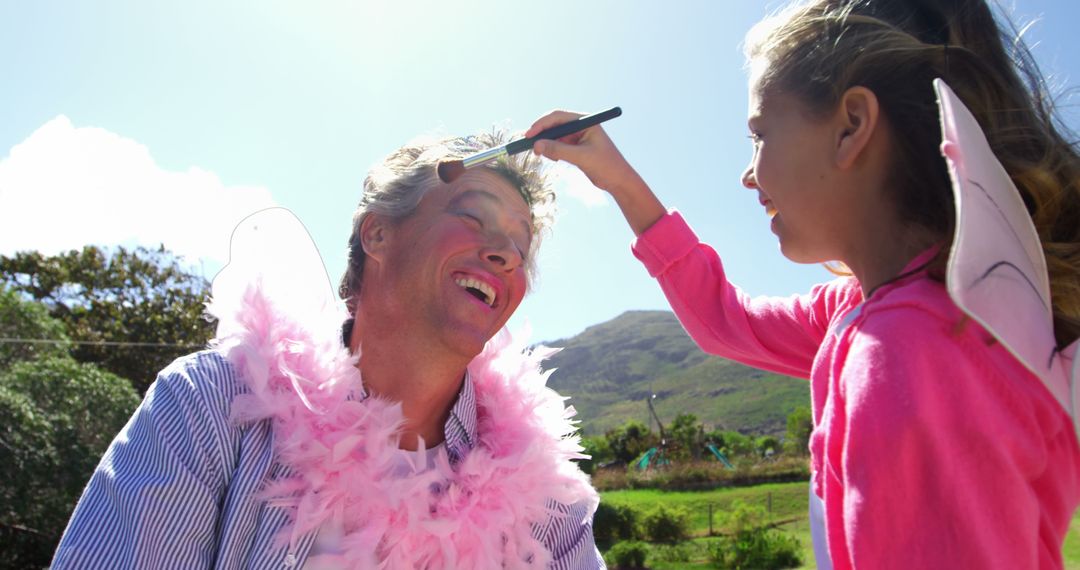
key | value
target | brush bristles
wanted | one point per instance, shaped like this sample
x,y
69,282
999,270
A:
x,y
450,170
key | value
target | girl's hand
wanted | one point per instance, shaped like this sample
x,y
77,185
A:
x,y
590,150
598,158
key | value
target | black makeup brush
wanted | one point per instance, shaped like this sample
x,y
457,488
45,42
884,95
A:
x,y
450,170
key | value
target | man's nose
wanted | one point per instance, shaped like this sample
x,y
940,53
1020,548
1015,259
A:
x,y
502,253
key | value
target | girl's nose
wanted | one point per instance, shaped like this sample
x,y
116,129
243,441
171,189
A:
x,y
748,178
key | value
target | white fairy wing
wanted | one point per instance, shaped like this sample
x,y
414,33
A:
x,y
273,250
996,272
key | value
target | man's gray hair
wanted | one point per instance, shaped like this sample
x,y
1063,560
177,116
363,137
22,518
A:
x,y
395,187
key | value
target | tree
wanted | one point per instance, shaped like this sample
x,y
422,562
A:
x,y
767,445
598,450
686,432
27,458
736,443
57,416
799,425
139,296
630,440
23,322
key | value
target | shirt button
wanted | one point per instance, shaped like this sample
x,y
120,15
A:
x,y
290,560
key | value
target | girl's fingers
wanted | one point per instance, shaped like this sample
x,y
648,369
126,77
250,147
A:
x,y
555,150
551,119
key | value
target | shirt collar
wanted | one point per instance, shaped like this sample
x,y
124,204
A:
x,y
460,428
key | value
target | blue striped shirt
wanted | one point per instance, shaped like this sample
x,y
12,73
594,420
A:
x,y
177,487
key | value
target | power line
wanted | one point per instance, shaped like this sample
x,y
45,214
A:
x,y
97,343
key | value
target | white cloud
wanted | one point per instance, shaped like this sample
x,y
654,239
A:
x,y
568,180
66,186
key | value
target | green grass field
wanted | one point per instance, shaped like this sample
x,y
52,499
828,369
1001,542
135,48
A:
x,y
788,510
1072,544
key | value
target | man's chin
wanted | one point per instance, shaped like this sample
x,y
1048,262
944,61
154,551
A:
x,y
468,341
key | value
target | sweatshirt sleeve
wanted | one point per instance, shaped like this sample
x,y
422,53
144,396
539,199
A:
x,y
781,334
935,464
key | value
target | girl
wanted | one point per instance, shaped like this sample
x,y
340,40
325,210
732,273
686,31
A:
x,y
933,446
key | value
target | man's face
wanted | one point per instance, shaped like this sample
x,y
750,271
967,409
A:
x,y
454,270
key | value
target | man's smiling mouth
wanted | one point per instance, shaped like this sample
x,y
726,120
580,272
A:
x,y
477,289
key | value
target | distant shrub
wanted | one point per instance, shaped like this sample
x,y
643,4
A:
x,y
627,554
598,450
673,553
767,445
666,525
752,544
613,523
799,425
628,441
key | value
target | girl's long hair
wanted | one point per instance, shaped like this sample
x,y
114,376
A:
x,y
816,51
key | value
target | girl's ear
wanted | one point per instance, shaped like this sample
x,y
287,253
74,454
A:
x,y
859,115
374,234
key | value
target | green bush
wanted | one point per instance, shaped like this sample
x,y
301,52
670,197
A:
x,y
767,445
627,554
737,444
758,548
799,425
28,502
752,544
666,525
613,523
673,553
598,450
57,416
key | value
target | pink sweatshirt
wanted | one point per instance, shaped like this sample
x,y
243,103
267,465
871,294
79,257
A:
x,y
932,446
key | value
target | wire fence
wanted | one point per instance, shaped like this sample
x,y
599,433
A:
x,y
98,343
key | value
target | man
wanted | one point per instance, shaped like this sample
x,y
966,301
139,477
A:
x,y
409,441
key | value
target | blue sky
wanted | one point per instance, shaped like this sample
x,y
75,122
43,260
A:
x,y
128,122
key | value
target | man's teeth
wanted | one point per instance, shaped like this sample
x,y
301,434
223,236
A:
x,y
489,293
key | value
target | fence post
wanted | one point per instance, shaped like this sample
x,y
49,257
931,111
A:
x,y
770,504
710,519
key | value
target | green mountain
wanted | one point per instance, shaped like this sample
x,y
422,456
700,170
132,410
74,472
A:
x,y
609,370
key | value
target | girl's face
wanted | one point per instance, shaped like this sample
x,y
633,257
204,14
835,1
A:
x,y
794,174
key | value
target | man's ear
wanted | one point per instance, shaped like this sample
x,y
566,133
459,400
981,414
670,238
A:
x,y
374,235
859,118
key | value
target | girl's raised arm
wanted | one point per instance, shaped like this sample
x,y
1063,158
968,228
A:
x,y
597,156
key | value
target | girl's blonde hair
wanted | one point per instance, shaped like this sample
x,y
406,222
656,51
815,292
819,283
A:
x,y
817,50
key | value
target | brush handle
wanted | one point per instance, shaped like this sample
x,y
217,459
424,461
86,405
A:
x,y
560,131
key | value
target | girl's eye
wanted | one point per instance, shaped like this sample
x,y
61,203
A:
x,y
755,137
471,218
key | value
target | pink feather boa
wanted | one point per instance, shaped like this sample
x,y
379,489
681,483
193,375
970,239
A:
x,y
477,514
